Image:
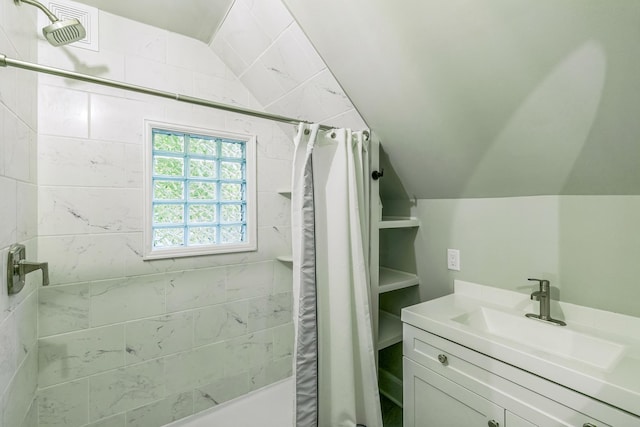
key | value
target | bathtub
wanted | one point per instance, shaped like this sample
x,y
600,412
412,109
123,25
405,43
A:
x,y
271,406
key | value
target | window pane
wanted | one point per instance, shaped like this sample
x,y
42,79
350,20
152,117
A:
x,y
203,146
168,190
168,214
168,166
202,235
167,237
172,143
202,190
202,213
233,149
232,234
231,192
202,168
231,170
231,213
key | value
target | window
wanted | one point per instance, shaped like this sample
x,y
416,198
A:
x,y
200,192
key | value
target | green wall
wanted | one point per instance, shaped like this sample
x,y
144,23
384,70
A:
x,y
587,246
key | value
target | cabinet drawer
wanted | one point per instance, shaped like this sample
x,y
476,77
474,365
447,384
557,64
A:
x,y
444,358
434,400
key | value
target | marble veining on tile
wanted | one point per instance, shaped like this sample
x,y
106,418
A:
x,y
162,412
209,395
63,309
65,405
220,322
126,388
78,354
159,336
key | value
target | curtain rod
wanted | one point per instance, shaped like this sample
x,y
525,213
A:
x,y
8,62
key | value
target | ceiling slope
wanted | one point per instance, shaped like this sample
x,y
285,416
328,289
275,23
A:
x,y
198,19
491,98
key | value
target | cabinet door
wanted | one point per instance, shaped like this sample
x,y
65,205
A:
x,y
431,400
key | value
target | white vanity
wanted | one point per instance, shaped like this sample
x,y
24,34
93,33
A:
x,y
472,358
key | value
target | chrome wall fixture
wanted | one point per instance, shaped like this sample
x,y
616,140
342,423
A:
x,y
18,267
61,31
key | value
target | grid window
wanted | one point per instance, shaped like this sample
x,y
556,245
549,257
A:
x,y
200,191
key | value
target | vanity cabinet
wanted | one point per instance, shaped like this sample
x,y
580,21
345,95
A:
x,y
451,385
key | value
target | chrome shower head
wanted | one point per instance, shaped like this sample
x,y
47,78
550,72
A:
x,y
60,32
64,32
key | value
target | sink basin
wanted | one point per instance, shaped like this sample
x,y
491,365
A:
x,y
549,338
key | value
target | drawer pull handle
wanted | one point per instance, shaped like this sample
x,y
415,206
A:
x,y
493,423
443,358
588,425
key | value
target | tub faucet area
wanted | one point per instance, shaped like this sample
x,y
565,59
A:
x,y
544,296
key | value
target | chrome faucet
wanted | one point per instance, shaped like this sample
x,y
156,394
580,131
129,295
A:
x,y
544,296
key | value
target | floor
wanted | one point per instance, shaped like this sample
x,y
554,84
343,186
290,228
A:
x,y
391,413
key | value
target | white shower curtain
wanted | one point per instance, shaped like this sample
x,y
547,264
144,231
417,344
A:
x,y
336,378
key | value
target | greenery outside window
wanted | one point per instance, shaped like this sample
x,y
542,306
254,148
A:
x,y
199,192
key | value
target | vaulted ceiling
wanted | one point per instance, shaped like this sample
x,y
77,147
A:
x,y
475,98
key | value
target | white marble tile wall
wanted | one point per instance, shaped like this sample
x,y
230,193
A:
x,y
130,343
270,54
18,216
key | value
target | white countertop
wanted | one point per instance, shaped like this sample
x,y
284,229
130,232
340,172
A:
x,y
617,383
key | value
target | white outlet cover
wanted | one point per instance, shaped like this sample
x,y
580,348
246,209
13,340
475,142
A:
x,y
453,259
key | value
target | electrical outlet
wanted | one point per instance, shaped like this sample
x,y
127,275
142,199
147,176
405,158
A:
x,y
453,259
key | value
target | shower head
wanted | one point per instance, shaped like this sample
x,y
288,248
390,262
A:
x,y
59,32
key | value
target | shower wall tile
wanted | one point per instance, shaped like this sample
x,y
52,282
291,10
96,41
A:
x,y
8,352
282,277
118,300
152,340
79,354
185,52
154,74
269,373
197,367
63,309
119,119
159,336
86,210
119,420
243,34
162,412
18,212
26,316
83,257
210,395
9,229
16,155
63,112
220,322
283,341
19,397
65,405
197,288
270,311
249,280
26,206
247,351
132,38
73,162
272,16
126,388
31,419
275,209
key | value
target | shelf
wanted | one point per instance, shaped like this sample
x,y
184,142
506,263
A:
x,y
398,222
392,280
389,330
285,258
390,386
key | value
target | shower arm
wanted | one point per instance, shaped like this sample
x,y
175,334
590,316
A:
x,y
50,15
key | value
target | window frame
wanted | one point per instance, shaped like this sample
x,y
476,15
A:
x,y
251,243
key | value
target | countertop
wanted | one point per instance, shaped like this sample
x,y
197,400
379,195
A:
x,y
618,384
